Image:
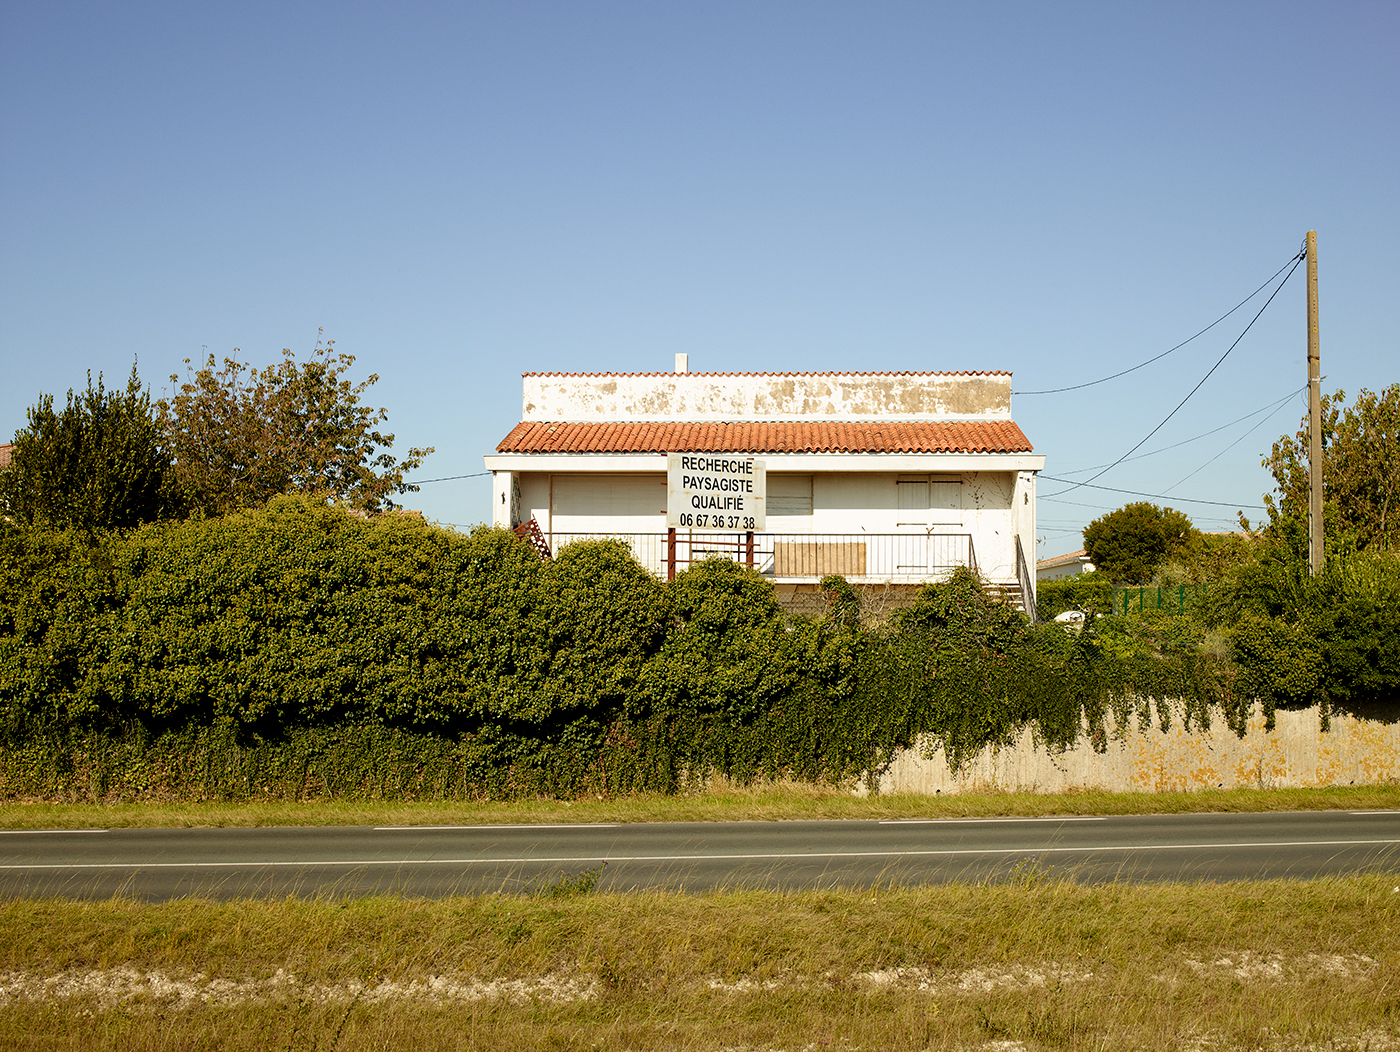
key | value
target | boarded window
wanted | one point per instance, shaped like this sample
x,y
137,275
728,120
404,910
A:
x,y
816,558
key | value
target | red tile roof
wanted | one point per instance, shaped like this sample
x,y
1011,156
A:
x,y
1060,560
1001,436
931,372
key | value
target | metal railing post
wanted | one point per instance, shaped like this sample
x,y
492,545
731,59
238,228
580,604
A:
x,y
671,553
748,549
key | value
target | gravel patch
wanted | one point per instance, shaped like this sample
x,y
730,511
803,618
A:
x,y
129,987
1277,968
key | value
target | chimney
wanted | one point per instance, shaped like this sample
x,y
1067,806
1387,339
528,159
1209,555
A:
x,y
682,363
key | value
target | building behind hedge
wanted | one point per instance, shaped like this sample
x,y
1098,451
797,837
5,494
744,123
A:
x,y
891,479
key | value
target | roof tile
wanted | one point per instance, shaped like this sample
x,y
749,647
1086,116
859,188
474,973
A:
x,y
886,436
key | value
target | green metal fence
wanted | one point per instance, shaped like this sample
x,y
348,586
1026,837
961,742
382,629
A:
x,y
1172,599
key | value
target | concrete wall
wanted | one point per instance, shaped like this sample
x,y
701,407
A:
x,y
1296,753
766,396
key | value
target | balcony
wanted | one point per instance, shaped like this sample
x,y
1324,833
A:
x,y
800,558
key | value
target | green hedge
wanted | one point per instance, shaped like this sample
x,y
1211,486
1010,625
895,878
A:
x,y
302,650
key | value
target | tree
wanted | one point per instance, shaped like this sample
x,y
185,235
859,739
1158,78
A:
x,y
242,435
1130,543
1360,469
99,464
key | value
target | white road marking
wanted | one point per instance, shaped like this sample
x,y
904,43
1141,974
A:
x,y
969,821
522,825
23,832
1024,850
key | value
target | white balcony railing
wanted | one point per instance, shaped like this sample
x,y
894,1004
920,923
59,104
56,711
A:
x,y
803,557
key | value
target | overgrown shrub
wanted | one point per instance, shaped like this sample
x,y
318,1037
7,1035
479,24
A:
x,y
280,651
1091,593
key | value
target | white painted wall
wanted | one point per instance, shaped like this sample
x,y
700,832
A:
x,y
1067,569
990,506
766,396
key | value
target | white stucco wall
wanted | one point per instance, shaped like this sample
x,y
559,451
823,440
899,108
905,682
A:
x,y
844,504
1063,570
766,396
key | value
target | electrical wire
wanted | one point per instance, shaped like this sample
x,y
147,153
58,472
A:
x,y
1231,446
1275,406
1136,493
1297,260
448,478
1183,343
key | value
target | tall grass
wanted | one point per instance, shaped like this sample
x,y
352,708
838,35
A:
x,y
1047,963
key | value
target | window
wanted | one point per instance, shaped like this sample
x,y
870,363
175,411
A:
x,y
927,501
789,503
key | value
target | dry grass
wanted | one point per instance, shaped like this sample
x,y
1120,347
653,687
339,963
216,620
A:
x,y
1033,964
719,804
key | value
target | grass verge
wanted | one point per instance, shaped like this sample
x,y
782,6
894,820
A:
x,y
1030,964
769,803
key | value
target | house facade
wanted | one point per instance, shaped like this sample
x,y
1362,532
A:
x,y
890,479
1059,567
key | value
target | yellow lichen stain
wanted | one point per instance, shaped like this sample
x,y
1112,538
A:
x,y
657,403
1146,759
1246,769
781,395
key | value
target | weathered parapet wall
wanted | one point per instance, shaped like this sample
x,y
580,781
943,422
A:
x,y
766,396
1295,753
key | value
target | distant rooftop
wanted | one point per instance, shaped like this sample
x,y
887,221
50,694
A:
x,y
1060,560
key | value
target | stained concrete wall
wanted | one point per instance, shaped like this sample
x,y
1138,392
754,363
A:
x,y
766,396
1147,759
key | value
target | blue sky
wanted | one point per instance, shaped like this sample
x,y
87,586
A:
x,y
458,193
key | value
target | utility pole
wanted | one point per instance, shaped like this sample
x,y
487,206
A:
x,y
1314,417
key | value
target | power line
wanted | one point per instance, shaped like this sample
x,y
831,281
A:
x,y
1296,261
1275,406
1183,343
448,478
1102,508
1135,493
1227,449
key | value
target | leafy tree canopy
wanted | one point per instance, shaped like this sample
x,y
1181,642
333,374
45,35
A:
x,y
97,464
1130,543
1360,469
242,435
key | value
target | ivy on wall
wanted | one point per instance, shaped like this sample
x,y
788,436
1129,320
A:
x,y
301,649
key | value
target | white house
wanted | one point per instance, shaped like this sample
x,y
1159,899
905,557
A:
x,y
1058,567
888,478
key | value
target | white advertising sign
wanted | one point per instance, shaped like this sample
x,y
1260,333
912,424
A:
x,y
714,491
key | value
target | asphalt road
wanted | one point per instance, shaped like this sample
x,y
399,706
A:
x,y
157,864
